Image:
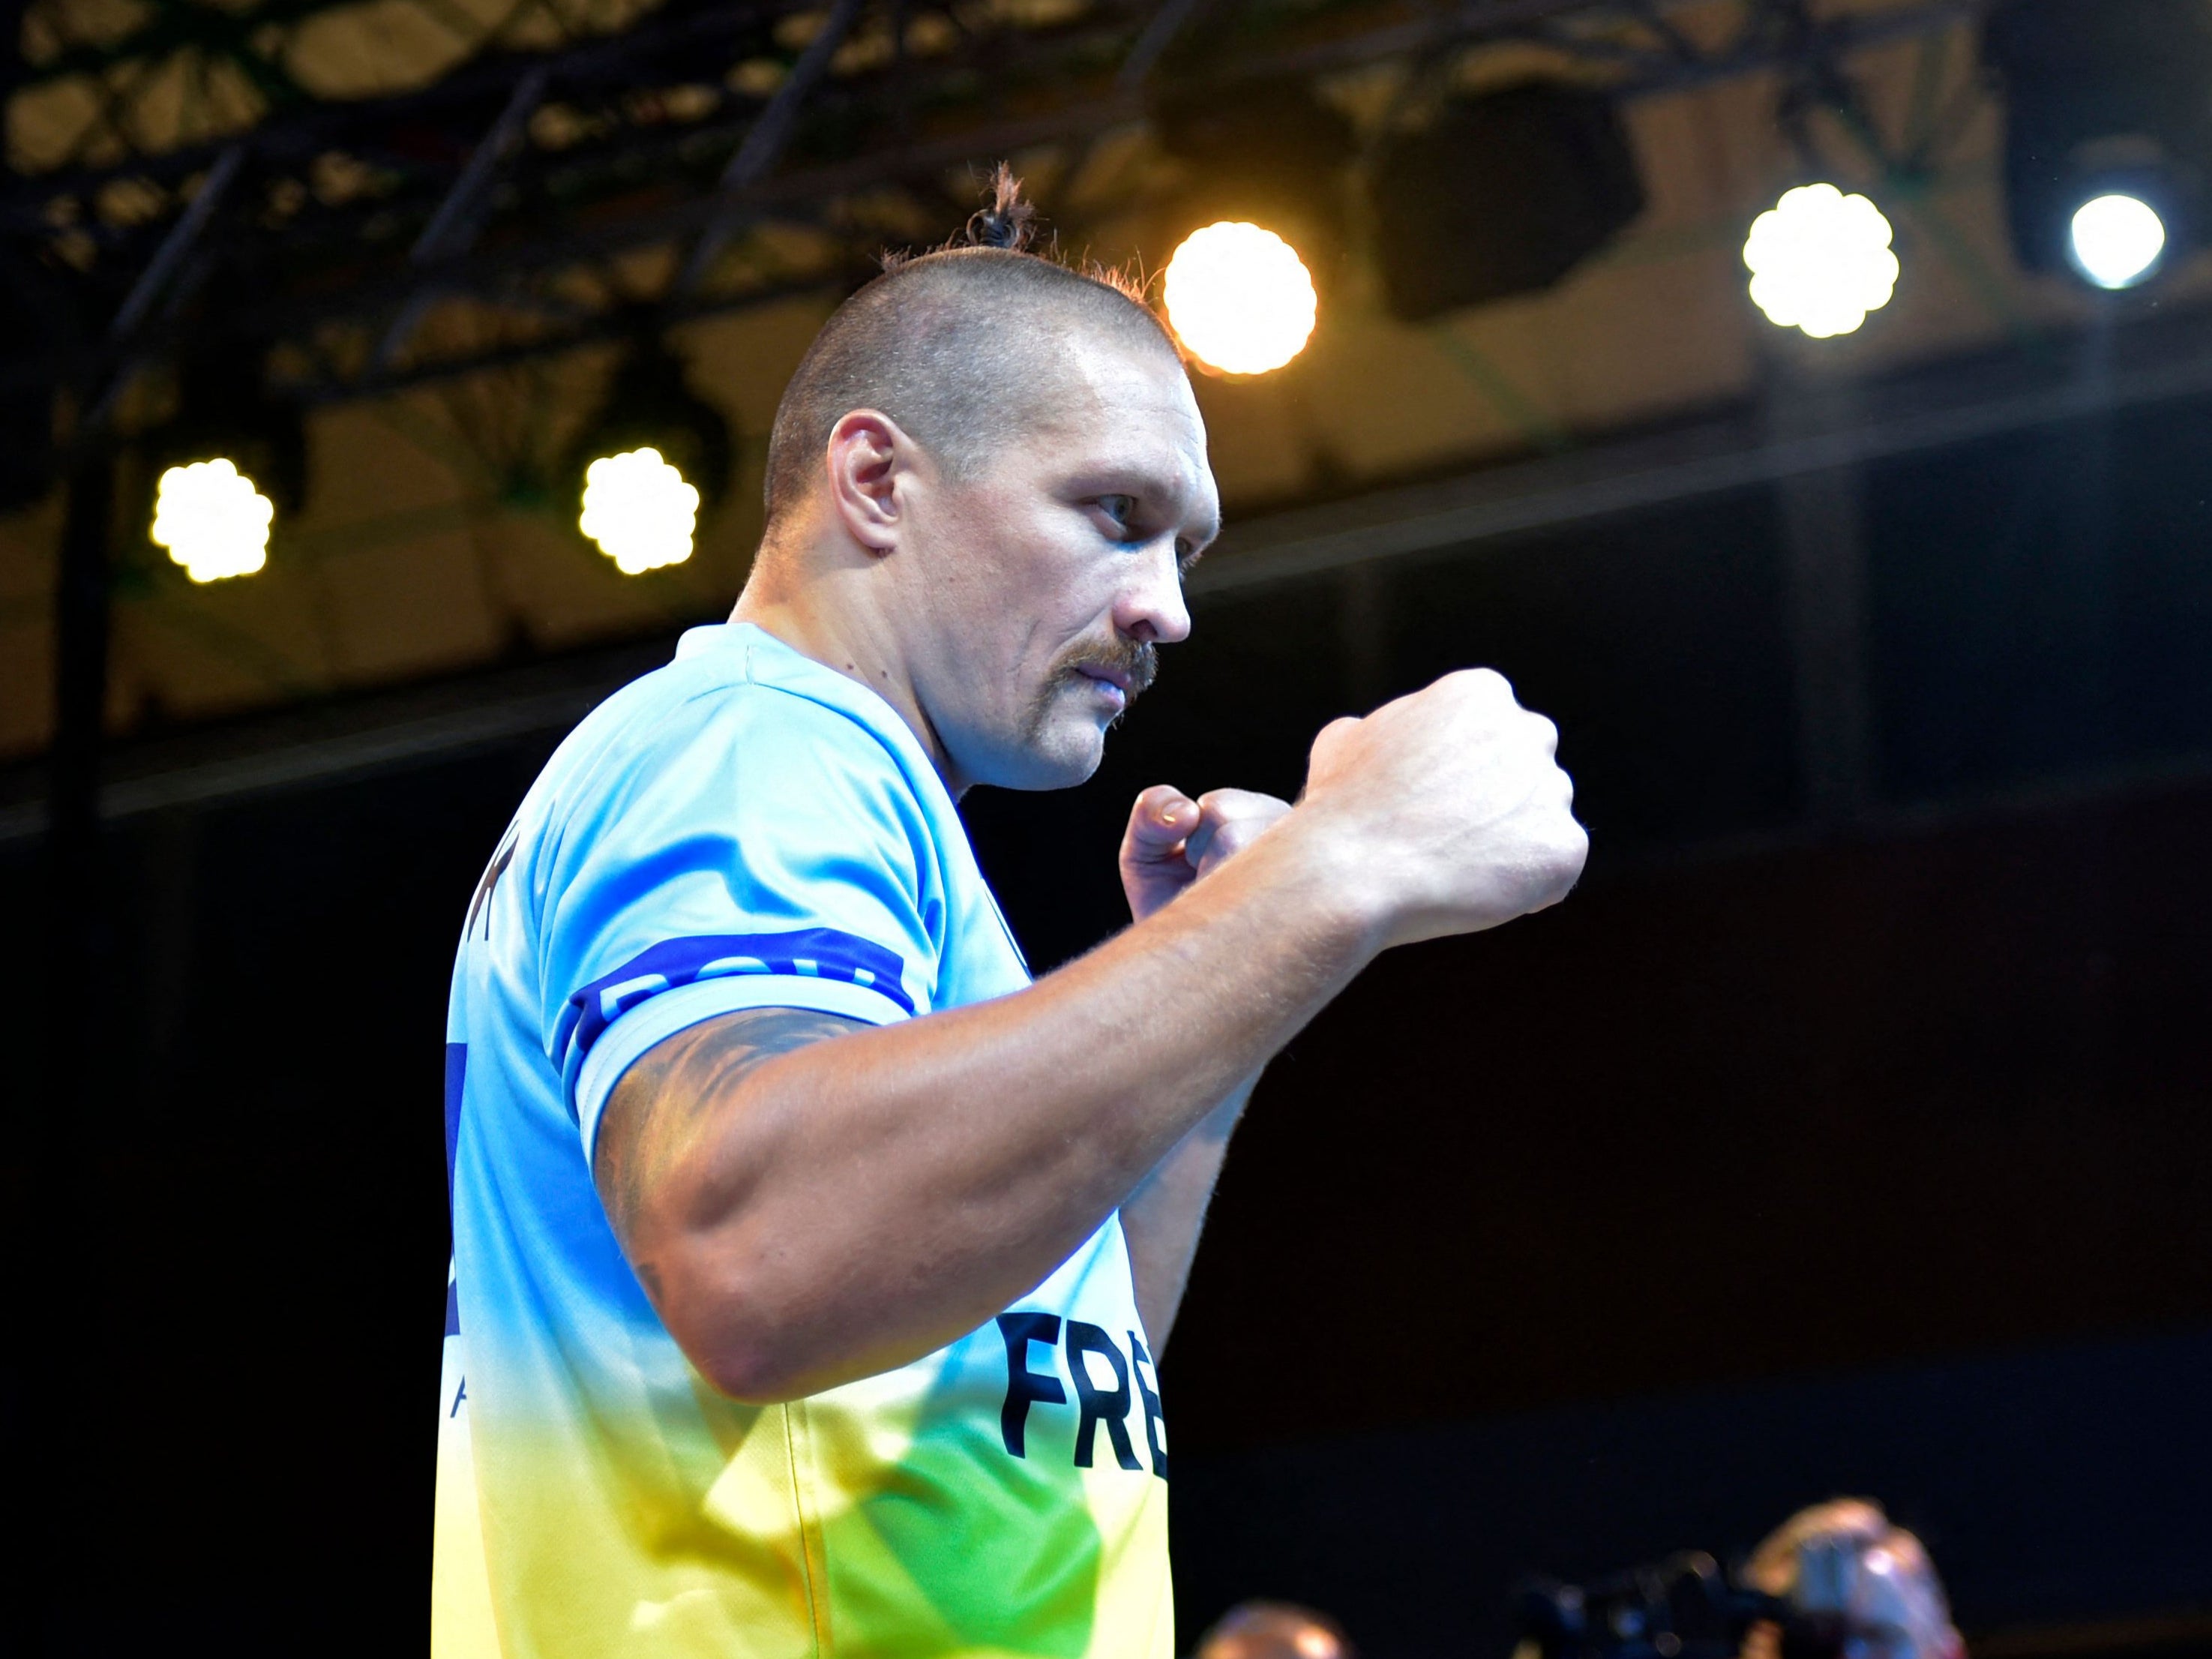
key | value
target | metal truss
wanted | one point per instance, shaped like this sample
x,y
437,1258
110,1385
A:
x,y
700,156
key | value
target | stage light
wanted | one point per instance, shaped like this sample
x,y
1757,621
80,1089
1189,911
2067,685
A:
x,y
2116,240
1820,261
1240,298
226,464
1500,194
640,510
2107,145
651,459
212,519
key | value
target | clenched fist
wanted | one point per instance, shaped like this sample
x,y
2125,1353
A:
x,y
1444,811
1173,840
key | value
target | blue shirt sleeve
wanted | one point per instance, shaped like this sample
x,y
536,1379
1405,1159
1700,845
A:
x,y
749,849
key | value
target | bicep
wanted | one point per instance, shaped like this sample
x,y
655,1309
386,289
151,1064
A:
x,y
672,1102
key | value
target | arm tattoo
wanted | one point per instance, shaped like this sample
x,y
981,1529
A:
x,y
665,1102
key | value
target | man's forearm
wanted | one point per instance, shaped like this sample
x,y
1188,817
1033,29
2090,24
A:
x,y
837,1210
1163,1218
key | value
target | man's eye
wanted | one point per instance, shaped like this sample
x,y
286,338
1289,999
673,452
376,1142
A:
x,y
1120,508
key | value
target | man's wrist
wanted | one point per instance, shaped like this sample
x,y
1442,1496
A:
x,y
1317,876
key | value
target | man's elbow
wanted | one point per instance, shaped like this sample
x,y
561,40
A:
x,y
727,1327
750,1374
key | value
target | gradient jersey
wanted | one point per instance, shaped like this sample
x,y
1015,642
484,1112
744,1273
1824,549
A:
x,y
746,829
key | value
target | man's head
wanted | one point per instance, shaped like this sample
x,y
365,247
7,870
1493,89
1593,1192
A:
x,y
993,466
1273,1630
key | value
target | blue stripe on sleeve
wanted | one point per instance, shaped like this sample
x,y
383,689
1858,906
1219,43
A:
x,y
820,952
457,1073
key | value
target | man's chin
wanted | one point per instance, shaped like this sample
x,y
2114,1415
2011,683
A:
x,y
1061,755
1063,765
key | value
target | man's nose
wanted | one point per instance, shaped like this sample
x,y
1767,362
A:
x,y
1151,608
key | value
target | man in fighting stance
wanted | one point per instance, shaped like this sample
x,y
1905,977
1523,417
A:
x,y
812,1264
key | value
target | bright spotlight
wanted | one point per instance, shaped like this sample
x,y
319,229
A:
x,y
212,519
2105,139
640,510
2116,240
1820,260
1240,298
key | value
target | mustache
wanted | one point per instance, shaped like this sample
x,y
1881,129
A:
x,y
1137,660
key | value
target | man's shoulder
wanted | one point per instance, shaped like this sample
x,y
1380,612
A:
x,y
743,734
759,706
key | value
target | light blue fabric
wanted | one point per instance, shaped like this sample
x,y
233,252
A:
x,y
745,827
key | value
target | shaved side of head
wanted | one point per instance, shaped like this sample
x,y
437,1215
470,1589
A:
x,y
965,348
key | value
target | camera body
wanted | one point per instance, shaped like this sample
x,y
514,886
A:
x,y
1681,1608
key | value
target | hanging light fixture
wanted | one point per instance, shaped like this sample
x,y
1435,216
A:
x,y
650,461
1500,193
1821,261
1239,298
212,519
226,467
2108,132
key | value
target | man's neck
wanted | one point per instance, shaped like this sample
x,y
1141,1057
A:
x,y
845,637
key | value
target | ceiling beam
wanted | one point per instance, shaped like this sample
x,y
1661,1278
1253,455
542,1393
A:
x,y
1477,515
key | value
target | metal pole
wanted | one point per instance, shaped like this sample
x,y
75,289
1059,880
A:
x,y
1824,588
54,1121
80,666
453,228
762,145
165,281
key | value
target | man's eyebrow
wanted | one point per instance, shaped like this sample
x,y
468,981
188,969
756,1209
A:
x,y
1199,545
1149,484
1154,488
1209,524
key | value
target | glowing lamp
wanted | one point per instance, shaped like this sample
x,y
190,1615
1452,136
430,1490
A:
x,y
1240,298
640,510
1820,261
212,519
2116,240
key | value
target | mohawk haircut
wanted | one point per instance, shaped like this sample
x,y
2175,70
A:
x,y
962,346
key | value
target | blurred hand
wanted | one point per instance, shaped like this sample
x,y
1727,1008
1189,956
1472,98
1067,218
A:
x,y
1173,840
1444,811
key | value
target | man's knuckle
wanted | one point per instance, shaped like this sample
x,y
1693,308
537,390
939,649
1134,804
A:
x,y
1489,684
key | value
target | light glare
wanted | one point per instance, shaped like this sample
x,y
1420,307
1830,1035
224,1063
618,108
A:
x,y
212,519
640,510
1820,261
1240,298
2116,240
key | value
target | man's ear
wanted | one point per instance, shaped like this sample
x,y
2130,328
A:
x,y
871,461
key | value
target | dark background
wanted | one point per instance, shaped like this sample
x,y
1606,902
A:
x,y
1775,1164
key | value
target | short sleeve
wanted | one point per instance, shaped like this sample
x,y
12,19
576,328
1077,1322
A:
x,y
752,849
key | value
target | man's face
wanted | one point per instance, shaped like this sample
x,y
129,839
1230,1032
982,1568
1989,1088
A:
x,y
1046,582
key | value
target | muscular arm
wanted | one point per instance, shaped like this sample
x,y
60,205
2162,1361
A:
x,y
1162,1219
1171,841
808,1204
663,1097
665,1105
805,1211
